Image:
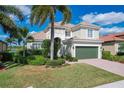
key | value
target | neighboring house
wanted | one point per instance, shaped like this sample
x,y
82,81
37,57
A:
x,y
38,38
81,40
3,46
113,43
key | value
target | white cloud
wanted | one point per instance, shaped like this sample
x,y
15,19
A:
x,y
14,18
25,9
115,29
32,32
104,18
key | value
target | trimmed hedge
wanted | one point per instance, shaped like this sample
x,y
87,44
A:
x,y
57,62
20,59
70,58
107,55
30,52
36,60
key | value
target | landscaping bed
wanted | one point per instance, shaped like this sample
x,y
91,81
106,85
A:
x,y
65,76
117,58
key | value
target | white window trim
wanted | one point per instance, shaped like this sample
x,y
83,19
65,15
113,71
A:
x,y
90,33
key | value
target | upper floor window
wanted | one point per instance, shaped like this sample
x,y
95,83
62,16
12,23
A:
x,y
67,33
90,33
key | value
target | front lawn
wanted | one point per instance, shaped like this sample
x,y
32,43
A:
x,y
76,75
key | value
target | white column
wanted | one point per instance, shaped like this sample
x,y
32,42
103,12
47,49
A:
x,y
99,52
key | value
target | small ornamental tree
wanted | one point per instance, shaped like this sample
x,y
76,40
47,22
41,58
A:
x,y
57,43
46,47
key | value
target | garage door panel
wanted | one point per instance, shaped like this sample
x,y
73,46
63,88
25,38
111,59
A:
x,y
86,52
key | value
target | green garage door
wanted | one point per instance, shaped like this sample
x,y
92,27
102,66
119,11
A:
x,y
86,52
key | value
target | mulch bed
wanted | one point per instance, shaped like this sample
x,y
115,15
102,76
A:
x,y
2,68
121,62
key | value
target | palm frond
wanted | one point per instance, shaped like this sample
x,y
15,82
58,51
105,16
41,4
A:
x,y
7,23
66,13
39,14
7,9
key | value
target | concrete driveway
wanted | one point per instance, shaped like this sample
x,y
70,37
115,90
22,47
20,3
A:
x,y
114,67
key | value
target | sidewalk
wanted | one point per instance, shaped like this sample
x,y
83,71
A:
x,y
117,84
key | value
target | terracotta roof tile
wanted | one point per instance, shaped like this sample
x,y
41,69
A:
x,y
111,37
39,36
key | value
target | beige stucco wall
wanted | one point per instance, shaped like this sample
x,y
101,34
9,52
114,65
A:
x,y
83,34
58,33
113,48
80,34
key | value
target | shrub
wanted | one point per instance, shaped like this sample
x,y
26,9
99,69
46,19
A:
x,y
20,59
57,46
57,62
1,65
36,60
74,59
6,57
31,57
30,52
121,59
37,52
106,55
27,52
70,58
46,47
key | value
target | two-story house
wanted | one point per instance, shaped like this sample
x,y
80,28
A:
x,y
85,42
81,40
62,31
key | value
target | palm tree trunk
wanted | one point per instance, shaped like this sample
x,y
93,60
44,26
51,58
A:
x,y
52,40
24,49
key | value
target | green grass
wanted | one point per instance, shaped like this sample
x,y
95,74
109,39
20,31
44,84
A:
x,y
77,75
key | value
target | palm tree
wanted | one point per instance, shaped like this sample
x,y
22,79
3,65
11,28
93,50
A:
x,y
24,36
40,13
9,40
5,20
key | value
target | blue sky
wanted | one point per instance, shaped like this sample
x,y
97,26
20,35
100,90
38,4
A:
x,y
110,18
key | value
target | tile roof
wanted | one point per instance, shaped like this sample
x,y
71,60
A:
x,y
39,36
73,27
120,34
58,24
42,35
112,37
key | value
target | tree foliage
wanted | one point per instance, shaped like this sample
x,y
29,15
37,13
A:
x,y
6,21
46,47
57,46
40,13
